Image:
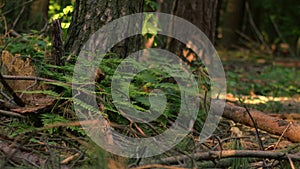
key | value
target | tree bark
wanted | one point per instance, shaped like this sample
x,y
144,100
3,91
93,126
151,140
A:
x,y
202,14
91,15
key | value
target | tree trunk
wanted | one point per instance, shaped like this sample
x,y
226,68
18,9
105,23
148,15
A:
x,y
232,21
202,14
39,14
91,15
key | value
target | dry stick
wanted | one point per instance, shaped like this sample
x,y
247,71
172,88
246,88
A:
x,y
18,100
279,139
291,162
245,36
210,155
4,95
9,77
257,133
14,33
156,166
27,88
9,113
256,129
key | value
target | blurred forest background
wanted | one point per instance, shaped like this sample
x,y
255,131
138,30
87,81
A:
x,y
257,41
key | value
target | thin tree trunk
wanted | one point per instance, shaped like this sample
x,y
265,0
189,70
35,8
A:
x,y
39,14
232,21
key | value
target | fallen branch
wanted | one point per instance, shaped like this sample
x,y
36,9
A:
x,y
35,78
257,133
17,99
9,113
156,166
9,77
210,155
264,121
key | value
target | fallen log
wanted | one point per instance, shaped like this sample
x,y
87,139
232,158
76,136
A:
x,y
273,125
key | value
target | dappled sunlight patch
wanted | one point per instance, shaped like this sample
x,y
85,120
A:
x,y
286,104
262,99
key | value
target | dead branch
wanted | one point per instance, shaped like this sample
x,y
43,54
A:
x,y
156,166
17,99
257,133
10,77
264,121
35,78
210,155
9,113
256,129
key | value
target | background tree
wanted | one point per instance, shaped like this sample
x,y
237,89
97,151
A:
x,y
23,16
232,21
277,21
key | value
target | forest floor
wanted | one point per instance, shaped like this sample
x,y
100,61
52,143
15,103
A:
x,y
265,83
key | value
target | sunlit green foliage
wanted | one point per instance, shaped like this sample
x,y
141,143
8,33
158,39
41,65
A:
x,y
64,13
